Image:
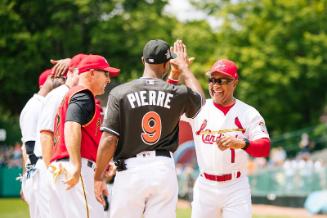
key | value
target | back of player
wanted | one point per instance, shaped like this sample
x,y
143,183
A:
x,y
144,115
152,109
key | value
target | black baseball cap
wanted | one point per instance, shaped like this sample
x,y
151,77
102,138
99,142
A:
x,y
157,51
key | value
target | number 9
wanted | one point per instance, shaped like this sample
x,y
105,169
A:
x,y
151,125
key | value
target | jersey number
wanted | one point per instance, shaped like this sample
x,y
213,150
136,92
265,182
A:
x,y
151,125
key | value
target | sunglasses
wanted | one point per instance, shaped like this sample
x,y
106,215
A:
x,y
220,81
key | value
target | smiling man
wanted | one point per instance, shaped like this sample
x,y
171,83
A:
x,y
225,131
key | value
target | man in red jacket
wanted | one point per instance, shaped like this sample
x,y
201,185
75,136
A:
x,y
76,138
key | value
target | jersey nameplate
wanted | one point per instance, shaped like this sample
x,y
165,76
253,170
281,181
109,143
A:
x,y
144,98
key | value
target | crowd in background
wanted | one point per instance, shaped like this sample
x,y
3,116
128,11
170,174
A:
x,y
11,156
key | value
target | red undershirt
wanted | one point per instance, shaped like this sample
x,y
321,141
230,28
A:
x,y
223,109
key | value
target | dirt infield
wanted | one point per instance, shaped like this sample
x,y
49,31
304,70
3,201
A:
x,y
260,209
264,210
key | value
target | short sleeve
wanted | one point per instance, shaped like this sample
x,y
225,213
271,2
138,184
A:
x,y
51,104
29,118
81,107
193,104
111,122
257,127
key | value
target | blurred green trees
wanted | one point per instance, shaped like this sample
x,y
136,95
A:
x,y
280,47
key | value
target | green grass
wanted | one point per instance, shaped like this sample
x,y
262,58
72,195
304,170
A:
x,y
16,208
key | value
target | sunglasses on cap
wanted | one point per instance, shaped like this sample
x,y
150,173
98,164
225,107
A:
x,y
220,81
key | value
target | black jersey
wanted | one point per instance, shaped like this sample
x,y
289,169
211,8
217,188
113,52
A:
x,y
145,113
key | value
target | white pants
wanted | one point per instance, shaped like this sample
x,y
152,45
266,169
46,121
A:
x,y
35,190
148,188
79,201
230,199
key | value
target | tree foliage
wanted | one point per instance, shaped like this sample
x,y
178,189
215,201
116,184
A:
x,y
281,49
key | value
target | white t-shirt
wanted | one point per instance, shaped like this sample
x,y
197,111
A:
x,y
48,113
29,117
241,121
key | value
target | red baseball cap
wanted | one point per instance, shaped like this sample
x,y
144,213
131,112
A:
x,y
225,67
44,76
97,62
75,61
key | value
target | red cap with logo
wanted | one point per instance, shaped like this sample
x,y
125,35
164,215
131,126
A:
x,y
44,76
225,67
97,62
75,61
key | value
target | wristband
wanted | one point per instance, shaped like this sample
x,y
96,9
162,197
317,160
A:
x,y
247,143
172,81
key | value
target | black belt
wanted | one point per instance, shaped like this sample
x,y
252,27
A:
x,y
89,163
121,165
163,153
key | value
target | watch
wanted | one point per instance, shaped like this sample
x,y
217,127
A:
x,y
247,143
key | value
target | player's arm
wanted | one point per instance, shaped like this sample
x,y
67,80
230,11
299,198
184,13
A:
x,y
73,136
181,62
108,144
106,150
46,139
258,148
255,148
80,111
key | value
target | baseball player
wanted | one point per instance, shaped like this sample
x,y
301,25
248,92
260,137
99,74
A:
x,y
140,131
225,131
76,137
46,116
28,123
51,104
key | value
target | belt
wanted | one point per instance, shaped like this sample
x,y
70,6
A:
x,y
163,153
121,165
89,163
221,178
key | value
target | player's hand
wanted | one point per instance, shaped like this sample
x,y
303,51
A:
x,y
181,61
100,189
110,172
175,72
60,67
227,142
73,178
22,196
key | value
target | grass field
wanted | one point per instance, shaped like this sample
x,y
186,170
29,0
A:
x,y
16,208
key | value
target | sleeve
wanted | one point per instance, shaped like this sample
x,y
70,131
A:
x,y
81,107
257,127
48,114
111,122
188,120
28,120
193,104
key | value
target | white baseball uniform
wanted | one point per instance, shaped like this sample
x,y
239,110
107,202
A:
x,y
222,189
40,181
28,124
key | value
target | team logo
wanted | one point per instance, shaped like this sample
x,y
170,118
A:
x,y
239,124
203,125
168,55
263,126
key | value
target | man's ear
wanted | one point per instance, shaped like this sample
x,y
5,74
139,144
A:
x,y
142,59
